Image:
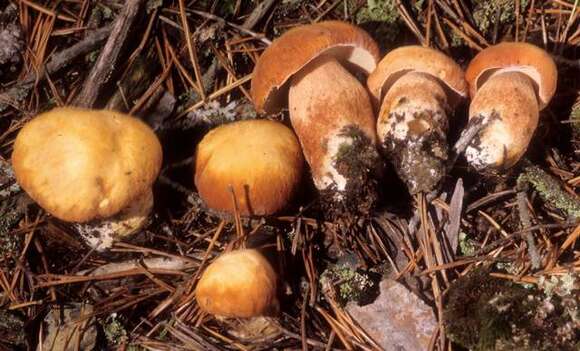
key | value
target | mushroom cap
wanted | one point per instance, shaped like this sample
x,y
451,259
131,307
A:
x,y
238,284
419,59
520,57
260,160
80,165
288,54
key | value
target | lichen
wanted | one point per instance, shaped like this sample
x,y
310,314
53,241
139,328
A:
x,y
383,12
12,333
10,213
378,11
115,331
349,283
486,13
485,313
550,190
467,246
562,286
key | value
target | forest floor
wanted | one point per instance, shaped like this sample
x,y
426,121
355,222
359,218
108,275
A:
x,y
185,67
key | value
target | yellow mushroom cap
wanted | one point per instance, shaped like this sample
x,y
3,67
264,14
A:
x,y
260,160
238,284
80,165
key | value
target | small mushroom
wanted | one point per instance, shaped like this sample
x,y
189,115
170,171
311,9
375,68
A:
x,y
238,284
259,160
416,87
330,109
509,84
94,168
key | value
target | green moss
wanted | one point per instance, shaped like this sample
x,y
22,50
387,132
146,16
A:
x,y
114,329
485,313
383,12
485,13
378,11
550,190
350,284
467,246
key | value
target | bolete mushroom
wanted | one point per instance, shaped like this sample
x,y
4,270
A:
x,y
259,160
95,168
330,109
238,284
509,84
416,88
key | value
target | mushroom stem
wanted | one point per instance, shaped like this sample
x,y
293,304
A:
x,y
508,100
412,129
332,115
100,234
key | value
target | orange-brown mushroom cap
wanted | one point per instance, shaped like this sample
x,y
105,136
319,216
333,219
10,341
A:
x,y
260,160
526,58
238,284
349,44
80,165
419,59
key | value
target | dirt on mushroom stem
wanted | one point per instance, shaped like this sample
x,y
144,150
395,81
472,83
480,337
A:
x,y
420,158
359,162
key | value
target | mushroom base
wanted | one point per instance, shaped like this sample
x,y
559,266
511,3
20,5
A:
x,y
420,157
358,162
101,234
507,103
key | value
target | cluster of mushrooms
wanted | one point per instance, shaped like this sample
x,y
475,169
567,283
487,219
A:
x,y
96,168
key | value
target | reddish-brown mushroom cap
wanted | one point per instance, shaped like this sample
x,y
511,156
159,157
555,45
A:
x,y
418,59
288,54
521,57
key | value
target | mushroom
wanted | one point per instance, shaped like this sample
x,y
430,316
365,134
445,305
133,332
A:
x,y
94,168
260,160
509,84
238,284
416,88
330,109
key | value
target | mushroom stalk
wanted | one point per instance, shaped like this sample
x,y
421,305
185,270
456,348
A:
x,y
412,130
100,234
332,115
507,100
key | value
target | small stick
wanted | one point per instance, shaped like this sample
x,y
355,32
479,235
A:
x,y
257,14
109,57
60,60
526,223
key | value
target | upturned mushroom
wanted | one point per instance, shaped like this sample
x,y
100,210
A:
x,y
238,284
94,168
310,67
254,164
416,88
509,84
